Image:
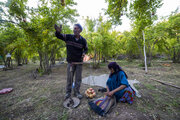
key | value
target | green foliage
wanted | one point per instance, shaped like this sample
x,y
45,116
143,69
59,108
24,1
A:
x,y
164,37
100,40
143,12
90,24
116,9
17,8
29,33
11,39
130,45
173,25
173,33
38,28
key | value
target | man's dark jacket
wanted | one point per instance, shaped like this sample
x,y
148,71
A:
x,y
75,48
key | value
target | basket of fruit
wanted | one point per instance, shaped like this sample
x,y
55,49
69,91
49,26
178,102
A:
x,y
90,93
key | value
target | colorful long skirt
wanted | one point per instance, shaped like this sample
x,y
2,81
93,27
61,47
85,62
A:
x,y
128,95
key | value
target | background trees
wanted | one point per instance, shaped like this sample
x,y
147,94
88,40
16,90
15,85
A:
x,y
12,41
37,24
27,33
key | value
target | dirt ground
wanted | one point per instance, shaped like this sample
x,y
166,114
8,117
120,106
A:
x,y
41,98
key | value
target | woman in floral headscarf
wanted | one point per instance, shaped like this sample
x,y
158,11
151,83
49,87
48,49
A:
x,y
117,84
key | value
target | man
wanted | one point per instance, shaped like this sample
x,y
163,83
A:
x,y
76,47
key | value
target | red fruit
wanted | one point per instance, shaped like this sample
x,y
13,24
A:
x,y
88,92
90,89
24,20
152,13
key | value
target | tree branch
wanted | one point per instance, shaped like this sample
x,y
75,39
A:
x,y
8,21
165,83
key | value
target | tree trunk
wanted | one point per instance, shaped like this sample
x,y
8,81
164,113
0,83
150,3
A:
x,y
145,64
44,62
99,57
18,55
5,64
53,61
150,52
176,52
40,60
9,62
52,58
19,60
139,47
174,55
104,59
26,61
47,68
94,63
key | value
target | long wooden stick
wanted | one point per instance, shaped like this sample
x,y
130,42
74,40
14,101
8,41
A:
x,y
76,63
166,83
145,62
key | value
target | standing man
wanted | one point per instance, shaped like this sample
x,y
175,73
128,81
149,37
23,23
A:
x,y
76,47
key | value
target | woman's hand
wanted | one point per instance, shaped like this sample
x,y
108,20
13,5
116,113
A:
x,y
110,94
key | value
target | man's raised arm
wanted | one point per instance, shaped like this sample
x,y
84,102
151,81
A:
x,y
58,33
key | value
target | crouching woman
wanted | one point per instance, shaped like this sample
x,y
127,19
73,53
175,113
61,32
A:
x,y
118,86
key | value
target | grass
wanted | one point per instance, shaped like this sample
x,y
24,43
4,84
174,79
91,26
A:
x,y
149,86
42,98
64,116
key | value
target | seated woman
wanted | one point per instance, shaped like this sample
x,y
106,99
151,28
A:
x,y
118,85
118,89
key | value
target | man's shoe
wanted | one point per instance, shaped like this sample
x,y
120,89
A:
x,y
78,95
67,96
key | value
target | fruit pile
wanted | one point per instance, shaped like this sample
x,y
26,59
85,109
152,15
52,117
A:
x,y
90,93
